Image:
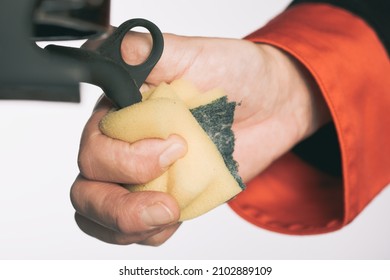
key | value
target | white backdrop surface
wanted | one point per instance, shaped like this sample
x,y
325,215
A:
x,y
38,152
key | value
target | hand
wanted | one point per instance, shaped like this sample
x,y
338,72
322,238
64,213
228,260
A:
x,y
279,106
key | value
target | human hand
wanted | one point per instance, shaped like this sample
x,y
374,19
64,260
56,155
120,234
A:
x,y
280,104
278,108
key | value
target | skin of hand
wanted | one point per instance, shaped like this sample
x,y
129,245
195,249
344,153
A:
x,y
280,105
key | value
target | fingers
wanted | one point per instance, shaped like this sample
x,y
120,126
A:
x,y
108,211
155,237
111,213
105,159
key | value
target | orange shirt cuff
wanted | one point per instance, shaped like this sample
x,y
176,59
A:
x,y
351,68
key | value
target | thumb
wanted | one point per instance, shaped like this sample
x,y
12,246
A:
x,y
105,159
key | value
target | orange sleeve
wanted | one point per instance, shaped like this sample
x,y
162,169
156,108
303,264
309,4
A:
x,y
352,70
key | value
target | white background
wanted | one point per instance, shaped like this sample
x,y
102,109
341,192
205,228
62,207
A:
x,y
38,152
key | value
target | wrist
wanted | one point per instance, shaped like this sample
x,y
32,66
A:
x,y
301,104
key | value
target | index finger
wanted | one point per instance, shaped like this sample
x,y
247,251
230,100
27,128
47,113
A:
x,y
114,207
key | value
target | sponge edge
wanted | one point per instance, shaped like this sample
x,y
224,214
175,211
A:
x,y
200,181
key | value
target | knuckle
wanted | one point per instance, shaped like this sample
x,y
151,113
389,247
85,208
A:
x,y
139,168
122,225
140,174
125,216
85,164
136,48
74,194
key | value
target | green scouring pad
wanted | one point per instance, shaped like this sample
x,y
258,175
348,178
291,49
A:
x,y
216,119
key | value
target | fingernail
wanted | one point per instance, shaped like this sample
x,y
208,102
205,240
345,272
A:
x,y
157,215
171,154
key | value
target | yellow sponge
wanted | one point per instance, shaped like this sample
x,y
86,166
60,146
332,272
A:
x,y
200,180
